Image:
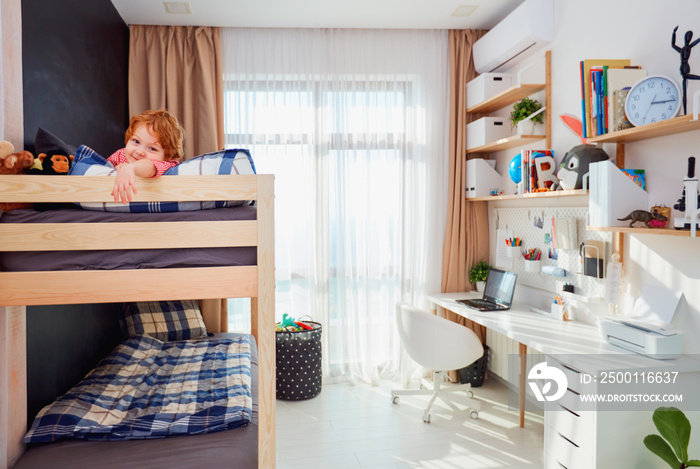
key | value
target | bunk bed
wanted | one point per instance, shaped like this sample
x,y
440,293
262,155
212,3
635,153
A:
x,y
18,289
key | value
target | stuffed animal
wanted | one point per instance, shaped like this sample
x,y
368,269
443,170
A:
x,y
575,165
13,163
54,162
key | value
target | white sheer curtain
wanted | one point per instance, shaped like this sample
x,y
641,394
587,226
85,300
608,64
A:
x,y
353,123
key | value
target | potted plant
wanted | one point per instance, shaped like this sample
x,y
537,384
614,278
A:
x,y
521,111
478,274
672,444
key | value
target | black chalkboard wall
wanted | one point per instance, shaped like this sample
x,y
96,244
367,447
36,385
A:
x,y
74,60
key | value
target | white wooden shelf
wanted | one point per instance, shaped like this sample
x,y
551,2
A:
x,y
506,143
532,195
641,230
658,129
506,97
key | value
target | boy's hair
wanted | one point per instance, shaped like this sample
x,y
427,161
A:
x,y
165,126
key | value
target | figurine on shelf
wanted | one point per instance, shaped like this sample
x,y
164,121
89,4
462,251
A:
x,y
645,217
685,55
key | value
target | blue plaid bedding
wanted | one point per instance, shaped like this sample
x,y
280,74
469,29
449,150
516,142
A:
x,y
225,162
150,389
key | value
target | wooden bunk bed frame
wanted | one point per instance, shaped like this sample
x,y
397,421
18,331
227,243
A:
x,y
18,289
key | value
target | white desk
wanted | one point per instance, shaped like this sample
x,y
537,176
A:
x,y
544,334
593,432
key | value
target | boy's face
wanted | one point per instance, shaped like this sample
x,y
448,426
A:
x,y
144,145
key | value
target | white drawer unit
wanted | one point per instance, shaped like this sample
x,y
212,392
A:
x,y
589,439
487,130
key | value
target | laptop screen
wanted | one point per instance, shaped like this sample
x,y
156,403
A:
x,y
500,286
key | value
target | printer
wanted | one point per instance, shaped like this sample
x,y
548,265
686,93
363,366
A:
x,y
647,330
646,339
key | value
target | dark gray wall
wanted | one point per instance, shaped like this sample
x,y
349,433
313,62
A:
x,y
74,59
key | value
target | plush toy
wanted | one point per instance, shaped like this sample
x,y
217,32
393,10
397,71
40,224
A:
x,y
575,165
13,163
54,162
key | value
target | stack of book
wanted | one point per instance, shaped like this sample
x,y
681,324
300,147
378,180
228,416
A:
x,y
604,87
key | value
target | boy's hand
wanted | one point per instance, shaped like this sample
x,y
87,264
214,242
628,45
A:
x,y
125,183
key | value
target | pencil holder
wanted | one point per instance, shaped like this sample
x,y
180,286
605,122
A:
x,y
513,251
532,266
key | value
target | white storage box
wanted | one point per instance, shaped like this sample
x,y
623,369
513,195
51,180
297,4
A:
x,y
486,86
482,178
487,130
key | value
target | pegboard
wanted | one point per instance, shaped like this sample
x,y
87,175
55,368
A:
x,y
534,227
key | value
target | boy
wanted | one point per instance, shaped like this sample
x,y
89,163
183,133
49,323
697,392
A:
x,y
153,145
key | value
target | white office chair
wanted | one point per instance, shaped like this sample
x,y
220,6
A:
x,y
440,345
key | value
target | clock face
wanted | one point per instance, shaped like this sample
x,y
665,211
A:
x,y
652,99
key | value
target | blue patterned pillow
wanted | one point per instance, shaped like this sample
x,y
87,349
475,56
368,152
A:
x,y
164,320
226,162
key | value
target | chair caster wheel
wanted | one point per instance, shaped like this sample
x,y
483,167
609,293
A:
x,y
426,418
470,394
395,400
474,414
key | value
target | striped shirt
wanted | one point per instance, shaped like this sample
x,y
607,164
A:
x,y
119,157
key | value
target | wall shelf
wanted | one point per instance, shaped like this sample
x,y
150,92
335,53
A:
x,y
643,132
645,231
533,195
506,143
505,98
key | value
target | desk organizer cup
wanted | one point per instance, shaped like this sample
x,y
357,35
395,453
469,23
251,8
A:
x,y
513,251
533,266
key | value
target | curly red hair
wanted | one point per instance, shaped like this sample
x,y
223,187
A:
x,y
164,126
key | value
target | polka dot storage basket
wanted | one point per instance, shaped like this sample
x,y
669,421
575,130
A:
x,y
299,363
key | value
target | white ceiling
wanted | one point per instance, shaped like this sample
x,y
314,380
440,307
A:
x,y
390,14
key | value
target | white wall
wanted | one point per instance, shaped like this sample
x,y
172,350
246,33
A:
x,y
639,30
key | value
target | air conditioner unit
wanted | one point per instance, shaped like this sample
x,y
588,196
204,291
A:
x,y
524,31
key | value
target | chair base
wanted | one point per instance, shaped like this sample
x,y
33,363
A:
x,y
441,392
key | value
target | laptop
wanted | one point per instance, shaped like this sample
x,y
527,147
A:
x,y
498,292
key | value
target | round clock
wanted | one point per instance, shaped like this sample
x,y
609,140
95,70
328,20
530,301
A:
x,y
652,99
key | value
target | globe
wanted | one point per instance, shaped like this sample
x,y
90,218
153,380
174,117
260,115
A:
x,y
514,169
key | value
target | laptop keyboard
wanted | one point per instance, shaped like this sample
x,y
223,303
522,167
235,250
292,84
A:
x,y
481,303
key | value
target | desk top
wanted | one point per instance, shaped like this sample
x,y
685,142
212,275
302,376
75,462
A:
x,y
554,337
542,333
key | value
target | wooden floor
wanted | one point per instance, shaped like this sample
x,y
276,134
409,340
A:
x,y
357,426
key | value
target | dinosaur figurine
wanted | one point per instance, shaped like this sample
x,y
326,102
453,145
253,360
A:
x,y
643,216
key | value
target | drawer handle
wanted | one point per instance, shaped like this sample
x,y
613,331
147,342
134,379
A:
x,y
568,410
568,440
561,465
569,368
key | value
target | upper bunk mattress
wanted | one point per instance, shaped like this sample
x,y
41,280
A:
x,y
11,261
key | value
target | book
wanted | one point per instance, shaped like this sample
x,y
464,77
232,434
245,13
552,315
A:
x,y
619,79
619,119
586,66
637,175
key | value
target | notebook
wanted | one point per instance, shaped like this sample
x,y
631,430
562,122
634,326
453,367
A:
x,y
498,293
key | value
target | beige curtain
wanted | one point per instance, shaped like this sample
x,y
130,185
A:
x,y
467,234
179,68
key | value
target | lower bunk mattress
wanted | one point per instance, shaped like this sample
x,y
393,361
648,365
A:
x,y
236,447
11,261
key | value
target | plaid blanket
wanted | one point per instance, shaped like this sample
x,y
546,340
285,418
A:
x,y
150,389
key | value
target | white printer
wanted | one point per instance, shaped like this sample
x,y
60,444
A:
x,y
647,330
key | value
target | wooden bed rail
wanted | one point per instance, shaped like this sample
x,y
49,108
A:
x,y
71,287
40,188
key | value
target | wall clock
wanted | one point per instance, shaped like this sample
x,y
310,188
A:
x,y
652,99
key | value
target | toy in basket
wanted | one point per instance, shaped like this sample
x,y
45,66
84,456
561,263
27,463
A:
x,y
298,358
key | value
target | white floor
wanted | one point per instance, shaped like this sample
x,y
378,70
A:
x,y
357,426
